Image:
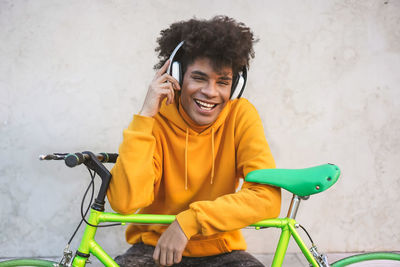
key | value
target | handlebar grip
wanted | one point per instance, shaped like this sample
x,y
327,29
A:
x,y
74,159
109,157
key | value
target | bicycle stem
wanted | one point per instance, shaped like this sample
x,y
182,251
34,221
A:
x,y
95,165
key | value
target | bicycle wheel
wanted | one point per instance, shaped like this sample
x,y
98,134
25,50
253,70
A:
x,y
28,262
374,258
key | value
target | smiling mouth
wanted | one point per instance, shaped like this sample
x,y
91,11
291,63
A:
x,y
204,105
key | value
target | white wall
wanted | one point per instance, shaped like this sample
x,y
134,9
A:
x,y
325,80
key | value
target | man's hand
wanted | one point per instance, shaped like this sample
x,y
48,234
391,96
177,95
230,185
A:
x,y
161,87
170,246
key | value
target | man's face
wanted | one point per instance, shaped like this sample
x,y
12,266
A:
x,y
205,91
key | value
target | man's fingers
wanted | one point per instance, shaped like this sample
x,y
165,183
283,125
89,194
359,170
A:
x,y
171,96
156,254
167,86
163,69
166,78
177,256
170,245
168,92
170,258
175,83
163,257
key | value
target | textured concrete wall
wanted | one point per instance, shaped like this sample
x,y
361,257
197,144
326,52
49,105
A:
x,y
325,81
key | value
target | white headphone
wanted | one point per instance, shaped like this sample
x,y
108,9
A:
x,y
238,83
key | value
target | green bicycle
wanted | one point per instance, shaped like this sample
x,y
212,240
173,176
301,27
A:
x,y
300,182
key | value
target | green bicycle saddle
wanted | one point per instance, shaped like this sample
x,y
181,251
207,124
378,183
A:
x,y
301,182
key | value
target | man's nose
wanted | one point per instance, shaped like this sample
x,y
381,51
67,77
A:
x,y
210,89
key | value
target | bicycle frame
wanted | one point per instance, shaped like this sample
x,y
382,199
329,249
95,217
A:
x,y
97,216
89,246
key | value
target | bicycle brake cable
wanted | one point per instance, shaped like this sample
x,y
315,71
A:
x,y
91,184
304,229
91,199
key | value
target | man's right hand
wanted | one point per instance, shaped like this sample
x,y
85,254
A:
x,y
162,86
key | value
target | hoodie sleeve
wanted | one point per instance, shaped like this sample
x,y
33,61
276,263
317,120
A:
x,y
137,169
254,202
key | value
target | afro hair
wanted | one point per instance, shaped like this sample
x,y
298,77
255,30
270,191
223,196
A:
x,y
221,39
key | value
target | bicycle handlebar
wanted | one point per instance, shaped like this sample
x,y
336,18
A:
x,y
75,159
93,162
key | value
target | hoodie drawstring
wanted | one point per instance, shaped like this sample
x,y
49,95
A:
x,y
186,150
212,157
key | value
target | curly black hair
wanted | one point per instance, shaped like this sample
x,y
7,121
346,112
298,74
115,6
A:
x,y
221,39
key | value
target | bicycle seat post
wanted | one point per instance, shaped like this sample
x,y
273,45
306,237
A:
x,y
294,206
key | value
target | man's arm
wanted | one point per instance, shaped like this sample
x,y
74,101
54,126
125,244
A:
x,y
137,169
139,164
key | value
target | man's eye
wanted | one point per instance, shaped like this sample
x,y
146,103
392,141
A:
x,y
198,78
224,83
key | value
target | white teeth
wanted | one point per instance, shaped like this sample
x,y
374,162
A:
x,y
205,105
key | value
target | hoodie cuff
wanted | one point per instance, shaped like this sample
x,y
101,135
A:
x,y
141,124
188,222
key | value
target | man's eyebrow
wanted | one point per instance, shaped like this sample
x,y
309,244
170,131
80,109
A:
x,y
199,73
224,76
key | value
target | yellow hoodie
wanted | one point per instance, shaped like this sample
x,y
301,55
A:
x,y
169,165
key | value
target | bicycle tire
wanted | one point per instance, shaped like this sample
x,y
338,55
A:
x,y
28,262
368,257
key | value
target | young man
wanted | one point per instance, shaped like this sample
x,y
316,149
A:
x,y
186,150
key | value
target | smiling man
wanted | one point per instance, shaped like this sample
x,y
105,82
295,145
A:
x,y
187,148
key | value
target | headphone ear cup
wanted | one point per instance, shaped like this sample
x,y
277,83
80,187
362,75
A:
x,y
238,87
239,83
176,71
234,86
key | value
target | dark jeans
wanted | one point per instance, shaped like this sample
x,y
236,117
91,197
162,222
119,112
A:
x,y
142,255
